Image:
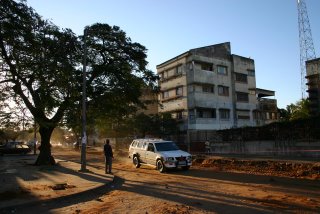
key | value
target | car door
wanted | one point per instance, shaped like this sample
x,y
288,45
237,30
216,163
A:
x,y
151,155
142,148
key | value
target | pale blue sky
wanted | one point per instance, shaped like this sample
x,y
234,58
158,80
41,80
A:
x,y
264,30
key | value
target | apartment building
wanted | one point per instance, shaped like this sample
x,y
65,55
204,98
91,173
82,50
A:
x,y
209,88
313,83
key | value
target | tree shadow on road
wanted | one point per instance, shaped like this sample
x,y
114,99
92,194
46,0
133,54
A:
x,y
24,171
290,185
207,200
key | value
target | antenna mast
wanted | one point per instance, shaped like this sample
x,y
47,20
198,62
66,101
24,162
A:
x,y
307,50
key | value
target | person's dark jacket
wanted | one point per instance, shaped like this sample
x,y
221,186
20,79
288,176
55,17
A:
x,y
108,150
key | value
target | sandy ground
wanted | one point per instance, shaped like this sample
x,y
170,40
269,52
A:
x,y
208,187
212,185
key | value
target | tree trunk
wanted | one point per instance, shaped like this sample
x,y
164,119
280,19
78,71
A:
x,y
45,157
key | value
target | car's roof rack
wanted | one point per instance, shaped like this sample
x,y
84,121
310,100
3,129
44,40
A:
x,y
151,139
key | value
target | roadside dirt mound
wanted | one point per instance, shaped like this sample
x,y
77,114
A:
x,y
174,209
265,167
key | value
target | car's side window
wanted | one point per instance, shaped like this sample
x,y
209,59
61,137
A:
x,y
144,145
140,144
134,143
151,147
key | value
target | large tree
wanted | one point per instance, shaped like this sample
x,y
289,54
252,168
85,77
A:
x,y
159,125
42,67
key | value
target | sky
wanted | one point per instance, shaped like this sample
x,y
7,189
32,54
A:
x,y
264,30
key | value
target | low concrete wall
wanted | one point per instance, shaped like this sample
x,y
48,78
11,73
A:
x,y
274,148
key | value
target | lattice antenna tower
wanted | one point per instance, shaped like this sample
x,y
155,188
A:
x,y
307,51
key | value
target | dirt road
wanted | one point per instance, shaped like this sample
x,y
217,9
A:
x,y
199,190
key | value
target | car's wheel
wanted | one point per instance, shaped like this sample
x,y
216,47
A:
x,y
185,167
136,161
160,166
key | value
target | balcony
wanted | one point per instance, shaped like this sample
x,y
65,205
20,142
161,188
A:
x,y
201,76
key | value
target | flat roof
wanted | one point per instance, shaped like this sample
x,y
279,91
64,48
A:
x,y
173,59
263,92
313,60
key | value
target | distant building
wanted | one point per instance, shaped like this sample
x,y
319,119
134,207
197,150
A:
x,y
313,83
150,99
266,111
209,88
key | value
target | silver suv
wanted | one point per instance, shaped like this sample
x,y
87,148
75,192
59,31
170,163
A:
x,y
159,153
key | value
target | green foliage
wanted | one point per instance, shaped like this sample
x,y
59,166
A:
x,y
299,110
39,62
138,125
116,74
158,125
284,115
116,71
42,68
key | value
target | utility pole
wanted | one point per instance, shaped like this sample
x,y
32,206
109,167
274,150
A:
x,y
84,100
307,51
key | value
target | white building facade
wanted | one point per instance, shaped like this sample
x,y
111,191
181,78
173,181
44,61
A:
x,y
209,88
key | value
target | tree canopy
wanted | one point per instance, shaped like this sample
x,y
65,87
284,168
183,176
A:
x,y
295,111
42,68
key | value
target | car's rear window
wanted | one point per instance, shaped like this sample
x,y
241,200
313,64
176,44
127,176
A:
x,y
166,146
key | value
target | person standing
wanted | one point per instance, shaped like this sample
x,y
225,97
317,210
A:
x,y
108,156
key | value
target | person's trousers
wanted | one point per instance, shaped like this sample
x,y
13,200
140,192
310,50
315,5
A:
x,y
108,164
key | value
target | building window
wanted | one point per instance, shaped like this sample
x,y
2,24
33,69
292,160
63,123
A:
x,y
251,73
179,69
179,91
222,70
179,115
165,94
243,117
224,114
243,114
223,90
256,115
242,97
164,75
208,88
199,113
213,113
206,67
268,115
241,78
206,113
